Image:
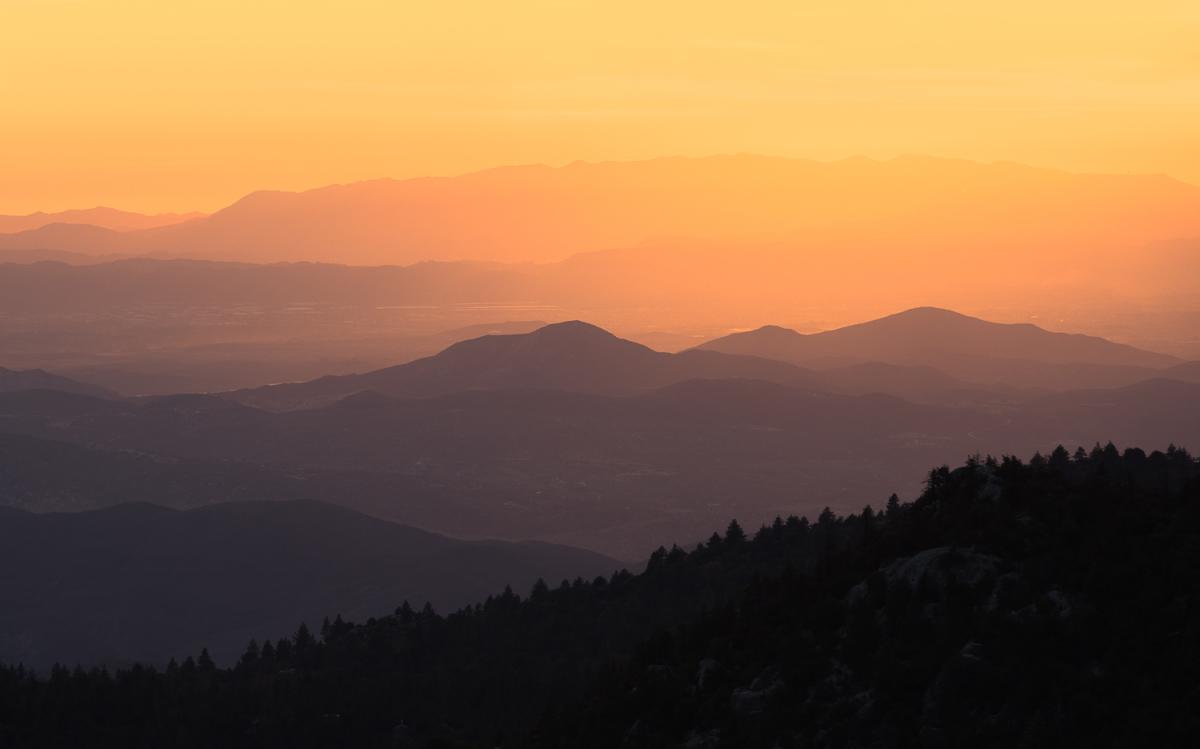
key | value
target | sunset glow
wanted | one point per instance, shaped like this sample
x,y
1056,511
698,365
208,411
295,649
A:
x,y
157,106
549,374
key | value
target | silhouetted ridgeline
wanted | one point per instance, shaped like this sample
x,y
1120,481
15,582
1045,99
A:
x,y
1052,602
571,435
142,583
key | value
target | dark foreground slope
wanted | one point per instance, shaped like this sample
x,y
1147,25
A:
x,y
1048,603
145,583
620,475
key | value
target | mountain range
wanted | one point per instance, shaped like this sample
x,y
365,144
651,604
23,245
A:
x,y
140,529
149,583
100,217
572,435
1017,355
539,213
925,354
574,356
698,245
1012,603
918,336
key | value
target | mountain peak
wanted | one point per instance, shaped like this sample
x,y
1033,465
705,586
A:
x,y
924,319
571,338
776,330
570,335
573,329
940,337
932,312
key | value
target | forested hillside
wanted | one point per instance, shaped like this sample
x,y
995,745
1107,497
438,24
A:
x,y
1048,602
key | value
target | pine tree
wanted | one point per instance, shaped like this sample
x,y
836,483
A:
x,y
250,657
205,662
303,638
734,533
1059,458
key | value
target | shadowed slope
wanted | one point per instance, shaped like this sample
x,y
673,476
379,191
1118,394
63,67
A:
x,y
1021,355
609,473
147,583
909,335
572,356
1011,604
1188,372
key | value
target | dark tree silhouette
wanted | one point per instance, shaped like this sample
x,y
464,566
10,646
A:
x,y
1012,604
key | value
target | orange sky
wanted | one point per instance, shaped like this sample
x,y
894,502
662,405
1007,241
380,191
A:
x,y
153,105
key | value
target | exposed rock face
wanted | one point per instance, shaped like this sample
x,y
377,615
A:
x,y
753,700
703,740
937,569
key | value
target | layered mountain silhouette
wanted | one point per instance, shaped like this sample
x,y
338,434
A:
x,y
428,438
1012,603
603,472
916,383
47,475
1188,372
538,213
100,217
62,242
221,326
926,355
1019,355
573,435
145,583
572,356
693,242
912,336
27,257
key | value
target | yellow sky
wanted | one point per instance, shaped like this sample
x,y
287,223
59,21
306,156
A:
x,y
178,105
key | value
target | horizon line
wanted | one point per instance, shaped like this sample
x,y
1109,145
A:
x,y
196,213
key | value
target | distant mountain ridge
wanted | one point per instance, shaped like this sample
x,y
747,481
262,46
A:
x,y
540,213
968,348
608,471
915,332
924,354
139,582
101,217
63,241
573,356
1010,604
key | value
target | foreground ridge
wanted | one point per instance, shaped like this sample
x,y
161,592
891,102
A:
x,y
1013,603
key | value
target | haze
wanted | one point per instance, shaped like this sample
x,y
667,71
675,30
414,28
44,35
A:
x,y
188,105
534,375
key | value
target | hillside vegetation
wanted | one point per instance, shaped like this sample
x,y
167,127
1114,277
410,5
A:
x,y
1012,604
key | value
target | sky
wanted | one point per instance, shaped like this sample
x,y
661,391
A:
x,y
181,105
